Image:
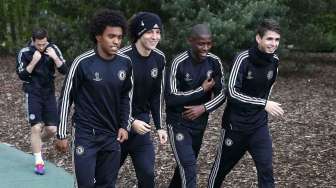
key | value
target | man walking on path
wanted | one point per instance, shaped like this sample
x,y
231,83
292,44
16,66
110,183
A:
x,y
194,89
244,123
99,84
36,68
148,67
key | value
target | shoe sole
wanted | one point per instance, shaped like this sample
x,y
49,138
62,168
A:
x,y
39,173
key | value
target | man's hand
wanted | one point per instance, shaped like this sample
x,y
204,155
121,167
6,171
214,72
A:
x,y
62,145
52,54
208,84
193,112
274,109
140,127
36,56
163,137
122,135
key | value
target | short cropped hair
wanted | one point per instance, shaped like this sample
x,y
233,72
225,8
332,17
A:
x,y
104,18
268,25
39,33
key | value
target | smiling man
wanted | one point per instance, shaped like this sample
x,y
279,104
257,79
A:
x,y
244,123
194,89
148,67
99,84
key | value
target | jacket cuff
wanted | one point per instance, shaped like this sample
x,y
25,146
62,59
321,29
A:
x,y
63,68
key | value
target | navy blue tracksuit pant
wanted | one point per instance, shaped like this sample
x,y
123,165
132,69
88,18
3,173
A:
x,y
96,157
186,143
233,145
141,150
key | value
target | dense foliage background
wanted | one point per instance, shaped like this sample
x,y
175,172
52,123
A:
x,y
307,25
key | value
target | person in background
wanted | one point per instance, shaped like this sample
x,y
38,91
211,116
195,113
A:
x,y
36,66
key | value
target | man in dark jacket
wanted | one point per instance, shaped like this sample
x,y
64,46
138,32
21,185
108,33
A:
x,y
194,89
244,124
148,68
36,68
99,83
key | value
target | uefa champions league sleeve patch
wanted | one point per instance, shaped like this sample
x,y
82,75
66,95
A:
x,y
97,77
187,77
249,75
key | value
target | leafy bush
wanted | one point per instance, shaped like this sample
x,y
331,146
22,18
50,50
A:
x,y
307,25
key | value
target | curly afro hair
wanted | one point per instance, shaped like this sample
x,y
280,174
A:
x,y
104,18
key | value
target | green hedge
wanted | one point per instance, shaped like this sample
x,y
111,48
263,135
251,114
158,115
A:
x,y
232,22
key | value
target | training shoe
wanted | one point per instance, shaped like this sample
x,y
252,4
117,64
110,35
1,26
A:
x,y
39,169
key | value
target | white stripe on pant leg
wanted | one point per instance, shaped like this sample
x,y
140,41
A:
x,y
215,167
27,108
172,143
73,148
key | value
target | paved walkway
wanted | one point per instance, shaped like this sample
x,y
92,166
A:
x,y
16,171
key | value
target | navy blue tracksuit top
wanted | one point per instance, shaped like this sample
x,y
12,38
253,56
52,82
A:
x,y
250,83
184,86
148,74
101,91
42,76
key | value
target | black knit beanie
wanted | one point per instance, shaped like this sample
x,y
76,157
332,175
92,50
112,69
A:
x,y
142,22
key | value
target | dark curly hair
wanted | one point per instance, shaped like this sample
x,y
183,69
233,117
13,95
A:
x,y
104,18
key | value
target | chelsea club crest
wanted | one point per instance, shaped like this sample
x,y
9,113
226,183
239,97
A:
x,y
228,142
179,136
79,150
154,73
122,75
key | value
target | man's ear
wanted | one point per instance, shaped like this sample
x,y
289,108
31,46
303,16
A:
x,y
258,38
98,38
190,40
